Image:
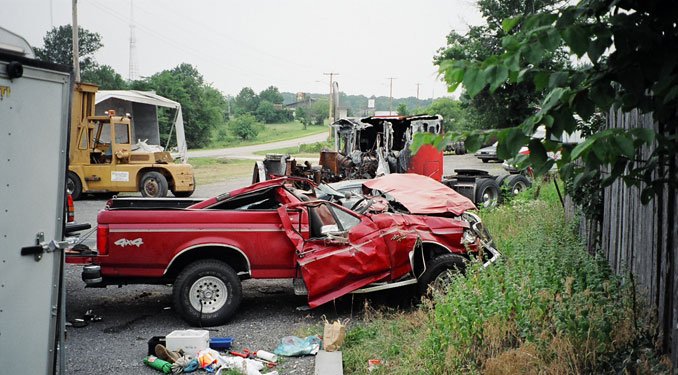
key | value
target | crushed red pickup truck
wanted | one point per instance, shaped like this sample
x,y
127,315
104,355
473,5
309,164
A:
x,y
406,229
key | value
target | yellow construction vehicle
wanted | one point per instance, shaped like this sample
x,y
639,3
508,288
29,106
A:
x,y
104,159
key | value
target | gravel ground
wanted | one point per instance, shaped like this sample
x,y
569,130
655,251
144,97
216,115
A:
x,y
131,315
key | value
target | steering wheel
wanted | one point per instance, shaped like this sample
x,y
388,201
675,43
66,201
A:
x,y
362,205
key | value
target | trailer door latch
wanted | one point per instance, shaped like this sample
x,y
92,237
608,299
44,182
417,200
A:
x,y
42,247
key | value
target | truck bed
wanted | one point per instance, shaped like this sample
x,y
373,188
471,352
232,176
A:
x,y
151,203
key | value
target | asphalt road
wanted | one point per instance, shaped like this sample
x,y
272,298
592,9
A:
x,y
131,315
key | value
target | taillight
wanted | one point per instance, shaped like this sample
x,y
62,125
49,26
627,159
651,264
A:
x,y
102,239
71,209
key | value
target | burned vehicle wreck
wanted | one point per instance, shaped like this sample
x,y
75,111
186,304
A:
x,y
365,148
380,145
397,235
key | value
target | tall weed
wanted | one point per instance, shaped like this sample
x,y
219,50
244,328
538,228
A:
x,y
546,307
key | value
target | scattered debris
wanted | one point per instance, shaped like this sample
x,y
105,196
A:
x,y
293,346
334,334
373,364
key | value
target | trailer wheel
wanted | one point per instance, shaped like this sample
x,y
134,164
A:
x,y
153,185
487,193
207,292
517,183
73,185
440,271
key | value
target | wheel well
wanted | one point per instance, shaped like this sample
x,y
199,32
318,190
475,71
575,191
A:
x,y
231,256
162,171
425,253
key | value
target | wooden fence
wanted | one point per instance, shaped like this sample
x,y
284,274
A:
x,y
642,239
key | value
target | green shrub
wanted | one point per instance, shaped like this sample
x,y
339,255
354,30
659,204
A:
x,y
546,306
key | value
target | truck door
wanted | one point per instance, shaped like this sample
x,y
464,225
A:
x,y
344,252
33,150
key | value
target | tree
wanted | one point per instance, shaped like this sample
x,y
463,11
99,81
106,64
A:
x,y
246,101
266,112
402,109
450,109
506,105
318,112
58,47
272,95
245,126
300,114
202,105
633,65
105,77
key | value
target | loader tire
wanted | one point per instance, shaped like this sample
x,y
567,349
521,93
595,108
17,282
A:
x,y
73,185
153,185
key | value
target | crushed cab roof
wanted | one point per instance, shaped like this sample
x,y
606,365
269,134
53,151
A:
x,y
420,194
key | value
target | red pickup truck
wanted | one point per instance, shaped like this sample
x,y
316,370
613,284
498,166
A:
x,y
273,230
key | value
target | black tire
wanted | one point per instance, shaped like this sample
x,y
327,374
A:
x,y
207,281
501,179
436,275
153,185
485,160
487,193
73,185
460,150
517,183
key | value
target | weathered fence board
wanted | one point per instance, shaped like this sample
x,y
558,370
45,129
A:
x,y
641,239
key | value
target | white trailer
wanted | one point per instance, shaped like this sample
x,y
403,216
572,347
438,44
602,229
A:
x,y
34,108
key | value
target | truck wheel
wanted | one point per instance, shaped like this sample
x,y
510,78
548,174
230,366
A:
x,y
153,185
487,193
485,160
517,183
207,293
73,185
440,271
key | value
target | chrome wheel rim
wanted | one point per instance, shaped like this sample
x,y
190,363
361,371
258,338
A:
x,y
210,292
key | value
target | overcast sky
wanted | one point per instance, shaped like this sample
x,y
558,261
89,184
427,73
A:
x,y
258,43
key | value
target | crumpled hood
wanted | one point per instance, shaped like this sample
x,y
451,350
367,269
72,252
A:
x,y
420,194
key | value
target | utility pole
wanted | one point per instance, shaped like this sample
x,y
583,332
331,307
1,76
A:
x,y
418,90
331,114
76,43
390,95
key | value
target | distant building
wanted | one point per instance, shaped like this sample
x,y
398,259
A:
x,y
303,100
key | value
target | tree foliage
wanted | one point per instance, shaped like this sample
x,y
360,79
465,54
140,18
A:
x,y
203,106
246,101
630,45
402,109
245,126
452,112
272,95
506,105
58,47
105,77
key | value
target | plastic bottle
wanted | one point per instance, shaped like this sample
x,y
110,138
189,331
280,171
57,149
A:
x,y
267,356
158,364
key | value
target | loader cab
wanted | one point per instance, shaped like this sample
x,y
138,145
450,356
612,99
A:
x,y
108,139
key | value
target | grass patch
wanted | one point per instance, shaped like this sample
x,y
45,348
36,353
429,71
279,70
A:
x,y
269,133
546,307
210,170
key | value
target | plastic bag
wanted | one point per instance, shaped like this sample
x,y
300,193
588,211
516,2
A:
x,y
293,346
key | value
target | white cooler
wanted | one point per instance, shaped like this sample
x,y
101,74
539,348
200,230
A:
x,y
191,341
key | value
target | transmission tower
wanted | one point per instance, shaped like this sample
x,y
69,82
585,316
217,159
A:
x,y
132,44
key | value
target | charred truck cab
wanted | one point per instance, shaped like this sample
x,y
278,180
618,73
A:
x,y
380,145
